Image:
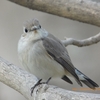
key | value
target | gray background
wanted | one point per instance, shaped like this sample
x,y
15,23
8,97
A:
x,y
86,59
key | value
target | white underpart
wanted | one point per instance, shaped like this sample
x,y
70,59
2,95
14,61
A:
x,y
36,60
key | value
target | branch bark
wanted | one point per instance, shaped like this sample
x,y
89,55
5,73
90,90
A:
x,y
22,82
85,11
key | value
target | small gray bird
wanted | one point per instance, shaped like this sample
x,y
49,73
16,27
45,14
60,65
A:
x,y
43,55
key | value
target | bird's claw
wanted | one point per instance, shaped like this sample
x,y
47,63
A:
x,y
38,83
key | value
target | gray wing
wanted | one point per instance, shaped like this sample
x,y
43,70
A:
x,y
58,51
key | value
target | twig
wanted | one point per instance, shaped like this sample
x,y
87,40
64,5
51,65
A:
x,y
81,43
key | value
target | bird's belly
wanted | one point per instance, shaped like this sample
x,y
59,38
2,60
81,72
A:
x,y
38,62
43,66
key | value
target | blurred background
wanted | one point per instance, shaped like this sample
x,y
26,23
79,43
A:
x,y
86,59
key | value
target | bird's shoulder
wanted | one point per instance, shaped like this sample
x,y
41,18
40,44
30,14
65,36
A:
x,y
54,46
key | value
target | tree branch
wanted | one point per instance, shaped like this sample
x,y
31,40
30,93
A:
x,y
81,43
22,82
85,11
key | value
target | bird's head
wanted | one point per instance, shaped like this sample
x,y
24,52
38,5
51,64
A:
x,y
32,30
31,26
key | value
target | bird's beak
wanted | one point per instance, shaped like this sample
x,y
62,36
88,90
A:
x,y
34,28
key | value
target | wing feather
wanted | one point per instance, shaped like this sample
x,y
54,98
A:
x,y
57,50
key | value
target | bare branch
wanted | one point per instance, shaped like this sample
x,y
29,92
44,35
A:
x,y
22,82
16,78
85,11
81,43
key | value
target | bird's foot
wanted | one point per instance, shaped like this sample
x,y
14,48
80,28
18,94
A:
x,y
38,83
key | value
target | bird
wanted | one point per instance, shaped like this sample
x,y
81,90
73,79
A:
x,y
45,56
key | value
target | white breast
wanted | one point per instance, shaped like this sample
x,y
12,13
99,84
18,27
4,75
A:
x,y
36,60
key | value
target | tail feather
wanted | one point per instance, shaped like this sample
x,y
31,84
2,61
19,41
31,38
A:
x,y
86,80
89,83
65,78
79,82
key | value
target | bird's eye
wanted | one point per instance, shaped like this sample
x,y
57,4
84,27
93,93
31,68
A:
x,y
26,30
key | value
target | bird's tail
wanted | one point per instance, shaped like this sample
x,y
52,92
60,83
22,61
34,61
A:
x,y
86,80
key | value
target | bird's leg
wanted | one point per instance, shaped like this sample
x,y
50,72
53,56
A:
x,y
38,83
48,80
